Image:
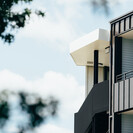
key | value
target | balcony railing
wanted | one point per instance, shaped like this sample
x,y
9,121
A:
x,y
123,92
124,76
122,24
96,102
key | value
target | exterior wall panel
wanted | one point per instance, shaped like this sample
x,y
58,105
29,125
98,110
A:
x,y
90,77
126,94
116,28
131,92
127,23
122,26
131,21
96,102
116,97
121,96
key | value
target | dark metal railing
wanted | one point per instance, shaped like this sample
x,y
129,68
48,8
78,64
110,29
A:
x,y
124,76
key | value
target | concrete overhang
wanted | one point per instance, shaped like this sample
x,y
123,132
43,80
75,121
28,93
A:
x,y
127,35
82,50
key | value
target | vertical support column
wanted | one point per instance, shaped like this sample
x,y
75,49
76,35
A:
x,y
95,67
106,70
86,81
117,57
110,78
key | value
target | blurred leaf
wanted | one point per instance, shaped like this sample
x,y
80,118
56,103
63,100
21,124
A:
x,y
4,108
101,4
12,21
32,105
38,110
40,13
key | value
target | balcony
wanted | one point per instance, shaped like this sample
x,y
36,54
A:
x,y
123,24
96,102
123,92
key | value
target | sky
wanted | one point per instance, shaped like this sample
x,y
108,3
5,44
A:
x,y
39,60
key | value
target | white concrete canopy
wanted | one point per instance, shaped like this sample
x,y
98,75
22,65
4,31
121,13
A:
x,y
127,35
82,50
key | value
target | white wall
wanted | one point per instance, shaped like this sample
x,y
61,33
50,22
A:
x,y
89,78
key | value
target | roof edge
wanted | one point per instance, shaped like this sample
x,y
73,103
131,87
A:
x,y
120,17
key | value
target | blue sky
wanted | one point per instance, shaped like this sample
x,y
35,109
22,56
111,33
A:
x,y
39,61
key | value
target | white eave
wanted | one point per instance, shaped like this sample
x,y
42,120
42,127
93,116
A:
x,y
82,50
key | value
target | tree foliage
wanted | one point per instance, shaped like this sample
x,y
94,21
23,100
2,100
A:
x,y
102,4
11,20
34,109
4,108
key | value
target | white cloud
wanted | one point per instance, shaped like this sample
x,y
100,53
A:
x,y
60,25
116,2
70,1
73,8
123,1
63,87
49,128
50,32
58,29
55,33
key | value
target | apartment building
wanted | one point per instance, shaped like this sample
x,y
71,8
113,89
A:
x,y
108,60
